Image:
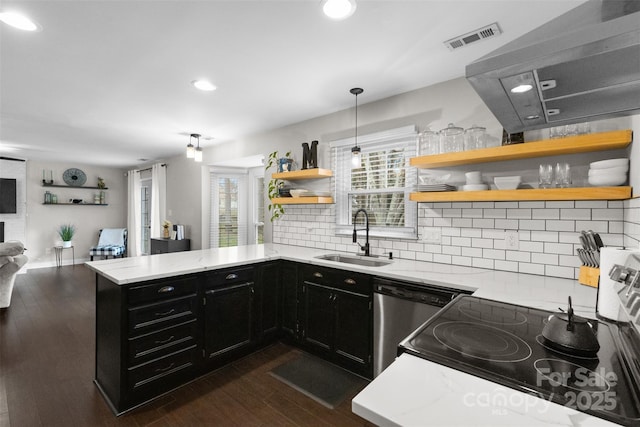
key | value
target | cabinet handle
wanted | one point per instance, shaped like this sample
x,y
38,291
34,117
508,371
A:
x,y
318,275
350,282
166,313
166,289
166,369
231,276
165,341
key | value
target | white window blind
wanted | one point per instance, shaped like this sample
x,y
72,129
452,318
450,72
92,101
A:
x,y
381,185
228,211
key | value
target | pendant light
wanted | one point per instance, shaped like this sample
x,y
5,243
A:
x,y
338,9
191,150
197,155
356,154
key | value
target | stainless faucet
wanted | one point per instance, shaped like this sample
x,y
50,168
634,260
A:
x,y
365,248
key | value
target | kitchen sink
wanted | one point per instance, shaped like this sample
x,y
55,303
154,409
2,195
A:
x,y
358,260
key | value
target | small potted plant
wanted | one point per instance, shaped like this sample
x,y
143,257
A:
x,y
273,188
66,232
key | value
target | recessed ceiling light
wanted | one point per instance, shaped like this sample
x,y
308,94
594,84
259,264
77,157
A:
x,y
203,85
522,88
338,9
18,21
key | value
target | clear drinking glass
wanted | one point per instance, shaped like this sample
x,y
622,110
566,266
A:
x,y
545,176
563,175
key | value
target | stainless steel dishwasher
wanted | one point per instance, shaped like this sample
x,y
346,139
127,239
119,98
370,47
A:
x,y
399,308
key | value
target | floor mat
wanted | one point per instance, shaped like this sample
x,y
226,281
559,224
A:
x,y
323,382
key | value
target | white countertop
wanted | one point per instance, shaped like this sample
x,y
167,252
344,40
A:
x,y
525,289
416,392
412,391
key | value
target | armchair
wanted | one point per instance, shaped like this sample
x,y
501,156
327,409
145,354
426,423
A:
x,y
11,261
112,242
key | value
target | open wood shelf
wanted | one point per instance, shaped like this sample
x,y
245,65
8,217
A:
x,y
73,186
302,200
549,147
303,174
76,204
584,193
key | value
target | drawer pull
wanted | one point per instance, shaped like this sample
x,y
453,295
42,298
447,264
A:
x,y
231,276
166,313
165,341
165,289
318,275
166,369
350,282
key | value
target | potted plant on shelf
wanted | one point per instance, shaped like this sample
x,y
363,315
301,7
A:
x,y
273,188
66,232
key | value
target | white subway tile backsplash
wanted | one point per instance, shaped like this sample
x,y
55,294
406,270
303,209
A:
x,y
546,213
494,213
531,268
560,225
519,213
472,213
482,243
545,236
507,224
597,226
577,214
537,224
559,204
473,233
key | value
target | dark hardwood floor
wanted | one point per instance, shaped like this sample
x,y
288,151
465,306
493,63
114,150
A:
x,y
47,368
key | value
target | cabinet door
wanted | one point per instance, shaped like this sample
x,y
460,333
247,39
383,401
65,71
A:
x,y
289,299
318,315
353,328
269,287
228,318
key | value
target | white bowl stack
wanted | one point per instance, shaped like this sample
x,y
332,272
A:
x,y
606,173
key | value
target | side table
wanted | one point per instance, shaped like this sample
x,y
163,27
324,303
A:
x,y
58,250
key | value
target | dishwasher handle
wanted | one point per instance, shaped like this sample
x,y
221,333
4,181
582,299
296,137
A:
x,y
435,297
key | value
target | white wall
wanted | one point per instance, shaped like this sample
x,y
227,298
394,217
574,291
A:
x,y
43,220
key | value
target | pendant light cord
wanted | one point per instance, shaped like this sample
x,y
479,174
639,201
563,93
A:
x,y
356,91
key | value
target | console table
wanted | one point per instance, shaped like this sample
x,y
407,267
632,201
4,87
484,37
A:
x,y
163,246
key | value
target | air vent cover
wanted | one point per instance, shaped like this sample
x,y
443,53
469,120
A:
x,y
492,30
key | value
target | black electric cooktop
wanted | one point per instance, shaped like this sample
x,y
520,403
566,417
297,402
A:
x,y
502,343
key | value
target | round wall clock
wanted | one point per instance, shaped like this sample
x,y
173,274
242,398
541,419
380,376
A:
x,y
74,177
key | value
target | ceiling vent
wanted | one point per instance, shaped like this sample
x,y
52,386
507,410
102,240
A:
x,y
492,30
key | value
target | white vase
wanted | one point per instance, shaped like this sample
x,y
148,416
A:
x,y
66,243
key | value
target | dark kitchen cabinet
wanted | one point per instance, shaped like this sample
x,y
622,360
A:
x,y
229,312
146,338
289,285
268,290
337,317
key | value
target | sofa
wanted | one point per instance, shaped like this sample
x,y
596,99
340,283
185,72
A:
x,y
12,260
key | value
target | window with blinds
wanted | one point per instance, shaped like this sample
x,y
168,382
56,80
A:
x,y
381,185
228,211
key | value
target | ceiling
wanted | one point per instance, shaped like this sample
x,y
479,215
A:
x,y
108,82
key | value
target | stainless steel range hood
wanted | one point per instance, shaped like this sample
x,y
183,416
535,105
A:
x,y
583,65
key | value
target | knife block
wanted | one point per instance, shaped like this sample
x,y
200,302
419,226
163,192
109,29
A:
x,y
589,276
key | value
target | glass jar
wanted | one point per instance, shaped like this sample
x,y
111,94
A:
x,y
474,137
429,142
451,139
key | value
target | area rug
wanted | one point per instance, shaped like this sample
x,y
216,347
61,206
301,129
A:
x,y
325,383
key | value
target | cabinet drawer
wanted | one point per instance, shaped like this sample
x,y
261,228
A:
x,y
162,368
339,279
161,315
161,290
231,276
156,344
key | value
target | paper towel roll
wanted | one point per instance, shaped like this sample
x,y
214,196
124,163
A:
x,y
608,305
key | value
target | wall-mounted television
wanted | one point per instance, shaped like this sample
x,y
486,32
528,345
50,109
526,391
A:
x,y
8,196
